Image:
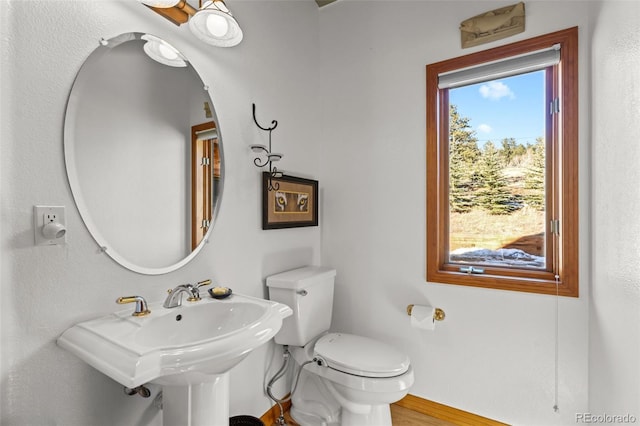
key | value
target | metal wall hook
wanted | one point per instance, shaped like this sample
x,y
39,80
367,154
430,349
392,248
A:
x,y
270,157
274,123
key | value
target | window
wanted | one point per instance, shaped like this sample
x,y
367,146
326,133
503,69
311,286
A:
x,y
502,167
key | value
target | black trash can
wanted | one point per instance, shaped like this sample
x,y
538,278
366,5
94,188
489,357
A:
x,y
245,421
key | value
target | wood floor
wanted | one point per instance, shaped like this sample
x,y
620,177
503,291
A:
x,y
405,417
400,416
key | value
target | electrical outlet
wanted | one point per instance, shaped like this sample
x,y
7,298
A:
x,y
45,215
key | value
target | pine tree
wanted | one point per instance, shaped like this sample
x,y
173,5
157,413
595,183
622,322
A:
x,y
494,195
534,179
463,156
508,151
462,138
461,199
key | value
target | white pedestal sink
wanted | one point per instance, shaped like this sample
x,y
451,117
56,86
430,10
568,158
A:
x,y
189,350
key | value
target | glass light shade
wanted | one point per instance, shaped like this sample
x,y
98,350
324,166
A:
x,y
217,25
214,24
160,3
162,52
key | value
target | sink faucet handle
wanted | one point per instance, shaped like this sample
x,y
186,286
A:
x,y
203,283
141,305
195,293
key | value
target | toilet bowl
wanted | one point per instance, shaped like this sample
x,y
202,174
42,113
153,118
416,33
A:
x,y
348,380
345,379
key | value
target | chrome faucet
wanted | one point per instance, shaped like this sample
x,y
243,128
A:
x,y
174,299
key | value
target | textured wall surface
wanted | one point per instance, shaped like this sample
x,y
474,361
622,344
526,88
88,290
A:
x,y
614,329
47,289
346,84
494,354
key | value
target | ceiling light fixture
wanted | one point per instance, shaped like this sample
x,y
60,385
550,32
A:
x,y
212,22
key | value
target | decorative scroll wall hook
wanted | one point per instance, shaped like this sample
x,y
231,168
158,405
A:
x,y
270,157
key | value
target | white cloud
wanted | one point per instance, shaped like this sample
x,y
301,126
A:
x,y
484,128
496,90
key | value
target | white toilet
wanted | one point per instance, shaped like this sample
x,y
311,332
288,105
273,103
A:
x,y
346,379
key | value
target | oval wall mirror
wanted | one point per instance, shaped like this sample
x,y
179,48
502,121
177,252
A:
x,y
143,153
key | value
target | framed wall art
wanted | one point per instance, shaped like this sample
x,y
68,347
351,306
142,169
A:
x,y
293,204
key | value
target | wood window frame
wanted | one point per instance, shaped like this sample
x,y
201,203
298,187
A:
x,y
561,276
202,176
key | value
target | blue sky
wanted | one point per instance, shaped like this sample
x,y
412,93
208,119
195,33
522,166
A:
x,y
511,107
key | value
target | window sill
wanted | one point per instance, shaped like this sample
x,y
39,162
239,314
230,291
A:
x,y
541,285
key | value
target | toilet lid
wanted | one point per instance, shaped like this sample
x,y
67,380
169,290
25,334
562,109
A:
x,y
361,356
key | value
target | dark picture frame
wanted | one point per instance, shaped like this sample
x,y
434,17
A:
x,y
294,204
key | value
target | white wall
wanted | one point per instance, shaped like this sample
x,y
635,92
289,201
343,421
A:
x,y
44,290
494,354
614,327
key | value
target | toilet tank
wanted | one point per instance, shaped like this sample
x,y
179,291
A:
x,y
308,292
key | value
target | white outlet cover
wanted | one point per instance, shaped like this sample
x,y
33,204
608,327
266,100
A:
x,y
40,214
